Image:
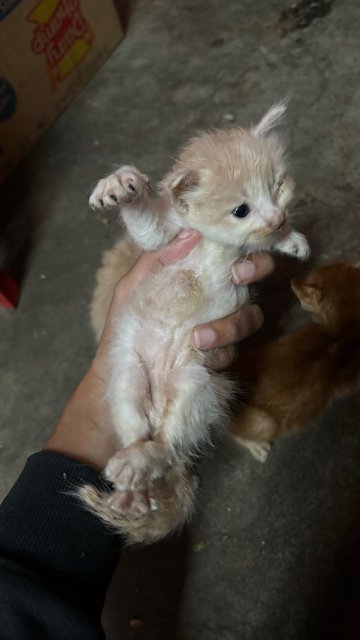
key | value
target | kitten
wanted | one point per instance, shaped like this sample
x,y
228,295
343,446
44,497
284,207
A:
x,y
290,381
232,187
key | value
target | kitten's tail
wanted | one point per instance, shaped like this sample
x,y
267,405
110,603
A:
x,y
174,496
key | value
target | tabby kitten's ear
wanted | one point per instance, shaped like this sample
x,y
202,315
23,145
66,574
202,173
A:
x,y
309,294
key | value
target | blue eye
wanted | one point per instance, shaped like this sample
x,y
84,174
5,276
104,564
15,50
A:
x,y
241,211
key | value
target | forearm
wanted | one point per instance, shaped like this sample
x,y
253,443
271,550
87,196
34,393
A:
x,y
57,559
150,221
84,431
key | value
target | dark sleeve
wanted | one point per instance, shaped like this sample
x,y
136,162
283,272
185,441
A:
x,y
56,559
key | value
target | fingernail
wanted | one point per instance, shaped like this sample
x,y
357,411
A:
x,y
204,338
243,272
185,233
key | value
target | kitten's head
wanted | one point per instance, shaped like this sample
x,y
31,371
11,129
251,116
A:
x,y
331,293
231,185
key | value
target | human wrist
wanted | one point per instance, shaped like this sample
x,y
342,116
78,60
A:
x,y
84,430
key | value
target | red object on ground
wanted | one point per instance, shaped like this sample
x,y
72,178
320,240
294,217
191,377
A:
x,y
9,291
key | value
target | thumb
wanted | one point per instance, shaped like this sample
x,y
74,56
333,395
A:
x,y
154,261
148,263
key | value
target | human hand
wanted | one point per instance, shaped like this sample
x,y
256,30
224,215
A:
x,y
85,431
224,335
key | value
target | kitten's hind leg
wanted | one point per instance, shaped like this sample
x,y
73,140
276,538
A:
x,y
195,399
254,429
199,400
129,467
139,458
172,499
132,471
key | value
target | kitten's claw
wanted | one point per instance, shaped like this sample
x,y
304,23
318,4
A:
x,y
123,186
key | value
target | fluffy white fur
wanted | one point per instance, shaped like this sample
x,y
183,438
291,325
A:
x,y
163,398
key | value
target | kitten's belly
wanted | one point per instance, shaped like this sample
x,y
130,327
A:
x,y
164,311
158,322
182,297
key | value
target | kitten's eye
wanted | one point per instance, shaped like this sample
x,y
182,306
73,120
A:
x,y
241,211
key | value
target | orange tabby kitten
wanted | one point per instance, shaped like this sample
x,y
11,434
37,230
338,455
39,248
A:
x,y
291,380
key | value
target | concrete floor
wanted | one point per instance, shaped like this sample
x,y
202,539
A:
x,y
273,552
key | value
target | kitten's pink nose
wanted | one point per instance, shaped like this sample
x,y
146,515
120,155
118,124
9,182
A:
x,y
276,220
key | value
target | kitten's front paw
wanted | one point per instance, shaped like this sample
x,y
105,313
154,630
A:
x,y
299,246
123,186
294,245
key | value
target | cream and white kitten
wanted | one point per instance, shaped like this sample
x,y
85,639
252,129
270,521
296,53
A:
x,y
233,188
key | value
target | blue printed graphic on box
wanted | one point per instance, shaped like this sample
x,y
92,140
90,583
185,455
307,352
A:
x,y
6,6
7,99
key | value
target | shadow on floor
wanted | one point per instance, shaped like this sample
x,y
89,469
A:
x,y
146,592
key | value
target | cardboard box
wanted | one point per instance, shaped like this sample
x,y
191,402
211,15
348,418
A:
x,y
49,49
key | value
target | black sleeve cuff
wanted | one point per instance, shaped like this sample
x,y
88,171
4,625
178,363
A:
x,y
50,533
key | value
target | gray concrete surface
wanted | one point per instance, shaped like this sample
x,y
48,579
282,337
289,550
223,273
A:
x,y
273,553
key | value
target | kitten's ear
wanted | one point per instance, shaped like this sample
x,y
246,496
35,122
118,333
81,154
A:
x,y
308,294
179,183
183,182
271,120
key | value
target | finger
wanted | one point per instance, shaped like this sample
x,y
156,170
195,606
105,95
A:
x,y
153,261
230,330
180,247
254,268
148,262
221,359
